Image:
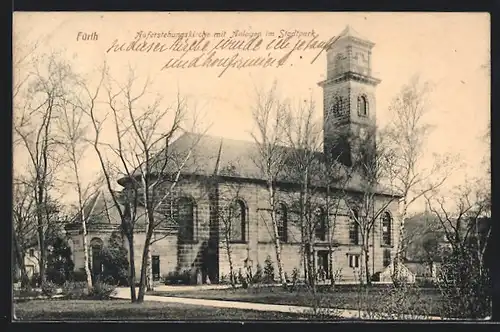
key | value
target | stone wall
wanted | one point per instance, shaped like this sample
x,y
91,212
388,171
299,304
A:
x,y
259,234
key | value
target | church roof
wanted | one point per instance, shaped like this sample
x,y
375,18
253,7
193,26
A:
x,y
101,210
211,155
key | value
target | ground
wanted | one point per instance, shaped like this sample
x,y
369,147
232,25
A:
x,y
124,310
378,299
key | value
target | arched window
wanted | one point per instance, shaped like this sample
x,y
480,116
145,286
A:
x,y
362,106
96,246
185,217
386,229
320,226
354,228
237,229
337,107
282,219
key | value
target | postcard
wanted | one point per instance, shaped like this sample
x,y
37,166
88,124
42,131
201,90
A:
x,y
245,166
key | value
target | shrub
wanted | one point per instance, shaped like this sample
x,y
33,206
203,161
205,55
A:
x,y
268,270
241,279
223,279
295,278
465,286
36,280
258,276
59,262
78,276
75,290
184,277
49,288
115,261
102,291
404,301
425,283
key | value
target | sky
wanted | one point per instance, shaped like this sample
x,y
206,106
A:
x,y
450,50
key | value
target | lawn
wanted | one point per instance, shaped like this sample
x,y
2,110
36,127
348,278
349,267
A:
x,y
377,299
47,310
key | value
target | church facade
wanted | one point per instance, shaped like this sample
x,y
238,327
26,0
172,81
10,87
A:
x,y
199,241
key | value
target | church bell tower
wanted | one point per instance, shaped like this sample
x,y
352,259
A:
x,y
348,96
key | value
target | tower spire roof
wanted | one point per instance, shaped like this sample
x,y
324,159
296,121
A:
x,y
350,32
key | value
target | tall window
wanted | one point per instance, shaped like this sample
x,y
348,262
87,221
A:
x,y
96,245
387,257
238,221
282,219
386,229
353,261
185,218
354,228
156,267
362,106
320,227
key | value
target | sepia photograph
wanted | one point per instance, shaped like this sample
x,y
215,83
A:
x,y
251,166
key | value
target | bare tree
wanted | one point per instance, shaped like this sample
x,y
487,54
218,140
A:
x,y
407,134
371,161
268,112
36,105
125,202
336,177
467,223
229,214
73,139
304,136
22,59
464,277
24,225
150,168
229,217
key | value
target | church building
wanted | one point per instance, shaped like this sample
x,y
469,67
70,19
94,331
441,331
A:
x,y
196,242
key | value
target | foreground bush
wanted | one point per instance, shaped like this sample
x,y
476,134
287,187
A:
x,y
75,290
184,277
115,261
102,291
78,291
465,286
59,262
49,289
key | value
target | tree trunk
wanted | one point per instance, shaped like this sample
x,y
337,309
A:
x,y
25,284
277,242
144,263
397,255
143,283
41,247
86,259
149,279
330,237
131,276
330,266
232,277
303,235
312,263
367,268
365,248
